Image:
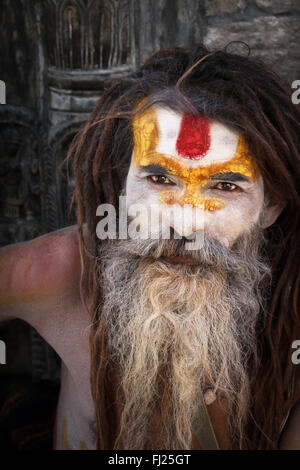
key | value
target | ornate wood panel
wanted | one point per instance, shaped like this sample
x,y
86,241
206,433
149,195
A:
x,y
85,43
79,45
64,51
89,34
20,185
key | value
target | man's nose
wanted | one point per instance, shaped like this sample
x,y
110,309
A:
x,y
184,231
188,221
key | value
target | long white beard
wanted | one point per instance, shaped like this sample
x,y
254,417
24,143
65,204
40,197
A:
x,y
173,329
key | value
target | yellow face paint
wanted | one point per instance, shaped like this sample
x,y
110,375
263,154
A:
x,y
189,197
146,137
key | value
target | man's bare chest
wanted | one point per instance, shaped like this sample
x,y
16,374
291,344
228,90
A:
x,y
68,333
75,426
75,418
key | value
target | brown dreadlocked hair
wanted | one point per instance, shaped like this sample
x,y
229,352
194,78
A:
x,y
246,96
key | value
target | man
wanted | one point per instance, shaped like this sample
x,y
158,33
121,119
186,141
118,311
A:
x,y
148,324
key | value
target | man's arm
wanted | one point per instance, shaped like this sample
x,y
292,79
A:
x,y
38,275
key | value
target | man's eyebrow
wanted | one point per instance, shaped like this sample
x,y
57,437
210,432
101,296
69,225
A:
x,y
155,169
229,176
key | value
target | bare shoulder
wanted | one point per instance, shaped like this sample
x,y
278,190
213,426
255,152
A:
x,y
37,270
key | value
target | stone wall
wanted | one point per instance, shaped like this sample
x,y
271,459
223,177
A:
x,y
271,28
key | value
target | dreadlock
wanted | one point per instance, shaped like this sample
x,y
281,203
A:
x,y
246,96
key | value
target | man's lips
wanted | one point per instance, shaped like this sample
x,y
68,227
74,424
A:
x,y
180,260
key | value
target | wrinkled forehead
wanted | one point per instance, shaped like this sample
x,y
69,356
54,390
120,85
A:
x,y
194,141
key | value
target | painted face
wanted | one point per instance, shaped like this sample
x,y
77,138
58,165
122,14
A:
x,y
181,160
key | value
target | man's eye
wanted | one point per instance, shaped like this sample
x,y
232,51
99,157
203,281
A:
x,y
224,186
160,179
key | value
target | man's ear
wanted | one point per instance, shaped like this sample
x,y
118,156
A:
x,y
270,214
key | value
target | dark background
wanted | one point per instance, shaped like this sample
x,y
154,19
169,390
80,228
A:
x,y
55,58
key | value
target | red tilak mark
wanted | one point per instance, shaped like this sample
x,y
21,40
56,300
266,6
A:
x,y
194,140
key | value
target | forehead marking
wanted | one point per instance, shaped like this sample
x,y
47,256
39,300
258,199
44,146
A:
x,y
194,138
147,133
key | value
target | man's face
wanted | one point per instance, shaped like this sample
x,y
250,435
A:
x,y
181,160
177,327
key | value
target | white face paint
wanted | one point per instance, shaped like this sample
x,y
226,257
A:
x,y
222,188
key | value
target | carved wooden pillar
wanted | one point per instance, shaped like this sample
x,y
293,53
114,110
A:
x,y
58,55
85,43
20,214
